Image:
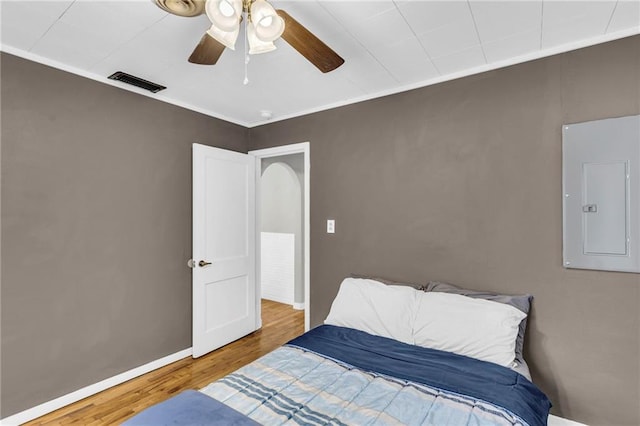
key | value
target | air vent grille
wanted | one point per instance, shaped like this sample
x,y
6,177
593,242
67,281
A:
x,y
136,81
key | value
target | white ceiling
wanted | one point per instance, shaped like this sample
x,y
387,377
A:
x,y
389,46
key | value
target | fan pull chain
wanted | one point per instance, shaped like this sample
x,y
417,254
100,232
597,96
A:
x,y
246,54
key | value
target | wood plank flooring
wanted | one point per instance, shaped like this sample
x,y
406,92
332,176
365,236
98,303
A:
x,y
280,323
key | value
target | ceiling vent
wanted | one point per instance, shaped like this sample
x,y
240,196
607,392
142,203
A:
x,y
136,81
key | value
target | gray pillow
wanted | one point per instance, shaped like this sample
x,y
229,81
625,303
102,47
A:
x,y
521,302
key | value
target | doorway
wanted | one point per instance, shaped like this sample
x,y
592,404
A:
x,y
282,216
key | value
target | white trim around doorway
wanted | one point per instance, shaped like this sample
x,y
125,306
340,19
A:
x,y
277,151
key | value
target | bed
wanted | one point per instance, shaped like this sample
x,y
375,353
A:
x,y
374,362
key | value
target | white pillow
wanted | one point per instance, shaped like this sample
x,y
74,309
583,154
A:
x,y
476,328
375,308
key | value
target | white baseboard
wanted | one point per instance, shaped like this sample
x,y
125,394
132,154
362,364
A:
x,y
48,407
559,421
298,306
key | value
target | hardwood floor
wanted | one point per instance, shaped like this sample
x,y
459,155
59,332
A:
x,y
280,323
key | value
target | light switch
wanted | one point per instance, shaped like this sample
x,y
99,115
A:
x,y
331,226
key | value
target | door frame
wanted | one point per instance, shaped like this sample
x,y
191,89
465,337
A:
x,y
296,148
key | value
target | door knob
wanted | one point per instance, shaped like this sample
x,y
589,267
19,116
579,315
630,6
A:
x,y
202,263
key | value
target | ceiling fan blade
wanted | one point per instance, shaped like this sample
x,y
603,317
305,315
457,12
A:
x,y
308,45
207,51
187,8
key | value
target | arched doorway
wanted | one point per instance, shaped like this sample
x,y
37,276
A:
x,y
282,204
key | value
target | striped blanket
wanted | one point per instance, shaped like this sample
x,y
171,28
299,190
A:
x,y
295,385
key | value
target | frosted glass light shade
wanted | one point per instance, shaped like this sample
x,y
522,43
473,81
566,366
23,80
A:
x,y
268,25
228,38
224,14
256,45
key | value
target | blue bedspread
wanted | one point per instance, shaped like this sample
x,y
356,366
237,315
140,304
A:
x,y
443,370
342,377
190,408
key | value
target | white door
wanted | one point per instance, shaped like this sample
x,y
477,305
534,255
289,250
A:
x,y
224,284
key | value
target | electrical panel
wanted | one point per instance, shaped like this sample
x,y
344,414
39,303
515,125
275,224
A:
x,y
601,191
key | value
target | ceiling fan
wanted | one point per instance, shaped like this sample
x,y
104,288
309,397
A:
x,y
263,25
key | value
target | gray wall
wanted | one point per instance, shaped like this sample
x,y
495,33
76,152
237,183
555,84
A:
x,y
279,216
461,182
96,229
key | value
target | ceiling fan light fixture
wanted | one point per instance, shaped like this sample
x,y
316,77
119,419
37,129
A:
x,y
263,25
227,38
268,25
224,14
257,46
